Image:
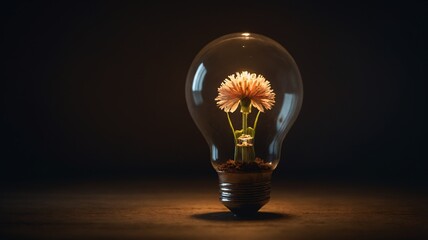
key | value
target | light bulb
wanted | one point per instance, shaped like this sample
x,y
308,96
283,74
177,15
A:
x,y
244,92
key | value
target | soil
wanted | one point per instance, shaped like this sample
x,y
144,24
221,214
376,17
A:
x,y
257,165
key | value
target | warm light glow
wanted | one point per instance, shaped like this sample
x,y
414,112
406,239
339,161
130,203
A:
x,y
246,34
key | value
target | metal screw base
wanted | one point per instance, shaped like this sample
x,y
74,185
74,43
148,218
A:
x,y
244,193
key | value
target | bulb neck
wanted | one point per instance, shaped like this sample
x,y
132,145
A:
x,y
245,193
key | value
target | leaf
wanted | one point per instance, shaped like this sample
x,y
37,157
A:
x,y
250,131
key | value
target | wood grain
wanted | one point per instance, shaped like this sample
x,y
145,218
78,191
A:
x,y
191,210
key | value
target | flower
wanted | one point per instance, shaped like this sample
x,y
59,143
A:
x,y
248,87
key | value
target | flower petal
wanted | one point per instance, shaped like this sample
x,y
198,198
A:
x,y
245,85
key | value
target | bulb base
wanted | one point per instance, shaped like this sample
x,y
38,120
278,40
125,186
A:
x,y
245,193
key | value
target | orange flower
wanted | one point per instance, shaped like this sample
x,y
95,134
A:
x,y
248,86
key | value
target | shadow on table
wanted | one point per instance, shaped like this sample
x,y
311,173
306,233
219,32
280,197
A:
x,y
228,216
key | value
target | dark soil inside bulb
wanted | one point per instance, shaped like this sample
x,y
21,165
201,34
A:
x,y
257,165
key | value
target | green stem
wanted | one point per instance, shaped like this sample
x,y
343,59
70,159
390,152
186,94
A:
x,y
245,151
244,123
255,124
231,126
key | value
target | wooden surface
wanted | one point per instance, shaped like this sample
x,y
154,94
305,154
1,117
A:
x,y
191,210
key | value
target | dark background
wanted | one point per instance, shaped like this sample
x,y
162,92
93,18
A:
x,y
96,89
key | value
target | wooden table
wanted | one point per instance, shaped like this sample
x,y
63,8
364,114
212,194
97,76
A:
x,y
178,209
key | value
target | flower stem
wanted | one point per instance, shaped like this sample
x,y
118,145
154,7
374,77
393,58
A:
x,y
255,124
231,126
245,123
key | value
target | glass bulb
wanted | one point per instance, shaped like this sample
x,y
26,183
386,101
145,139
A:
x,y
244,92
